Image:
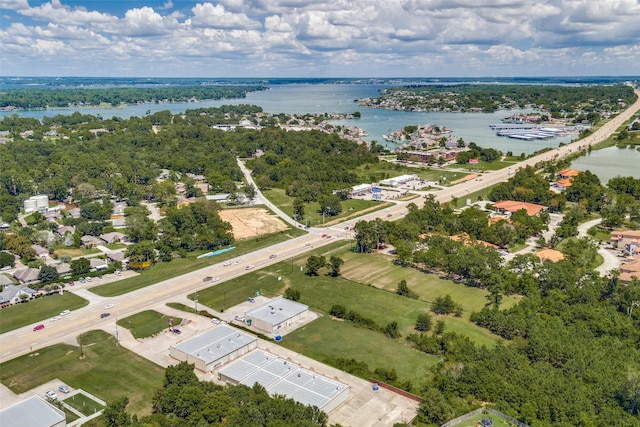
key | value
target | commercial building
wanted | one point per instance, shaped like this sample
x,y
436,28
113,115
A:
x,y
398,180
214,348
32,412
282,377
276,314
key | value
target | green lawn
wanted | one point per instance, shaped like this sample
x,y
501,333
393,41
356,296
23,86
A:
x,y
485,166
148,323
69,416
75,252
107,371
384,170
475,421
475,196
83,404
38,310
187,309
313,217
367,287
166,270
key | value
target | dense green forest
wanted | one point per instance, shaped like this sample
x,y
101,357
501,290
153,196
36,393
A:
x,y
122,158
31,99
570,101
572,356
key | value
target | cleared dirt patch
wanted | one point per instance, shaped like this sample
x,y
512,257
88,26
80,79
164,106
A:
x,y
465,178
250,222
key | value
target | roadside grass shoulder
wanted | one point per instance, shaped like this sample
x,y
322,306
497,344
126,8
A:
x,y
167,270
383,170
107,371
486,166
312,214
38,310
148,323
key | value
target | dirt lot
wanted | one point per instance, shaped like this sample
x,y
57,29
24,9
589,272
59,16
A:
x,y
250,222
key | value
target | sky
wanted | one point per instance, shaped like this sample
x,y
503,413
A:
x,y
318,38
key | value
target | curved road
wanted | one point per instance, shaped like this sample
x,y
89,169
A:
x,y
24,340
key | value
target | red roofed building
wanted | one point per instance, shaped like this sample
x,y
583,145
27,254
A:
x,y
549,255
513,206
568,173
629,270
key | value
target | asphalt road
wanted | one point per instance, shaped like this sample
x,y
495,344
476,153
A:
x,y
24,340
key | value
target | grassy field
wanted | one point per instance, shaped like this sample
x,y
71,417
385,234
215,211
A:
x,y
148,323
368,287
485,166
83,404
107,371
350,207
162,271
384,170
75,252
475,196
475,421
38,310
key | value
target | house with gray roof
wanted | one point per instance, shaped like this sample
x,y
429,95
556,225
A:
x,y
113,237
66,229
12,294
98,264
40,251
27,275
5,280
90,241
32,412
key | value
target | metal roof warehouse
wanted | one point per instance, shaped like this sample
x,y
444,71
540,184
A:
x,y
280,376
275,314
32,412
214,347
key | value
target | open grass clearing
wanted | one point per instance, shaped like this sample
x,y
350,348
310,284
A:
x,y
482,166
75,252
166,270
38,310
107,370
148,323
384,170
83,404
313,216
187,309
475,421
326,339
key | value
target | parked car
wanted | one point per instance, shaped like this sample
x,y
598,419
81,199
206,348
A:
x,y
215,321
176,331
51,394
63,388
38,327
239,318
71,283
64,313
103,315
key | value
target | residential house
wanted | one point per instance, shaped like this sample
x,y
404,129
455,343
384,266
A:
x,y
5,280
618,236
12,294
40,251
117,256
568,173
66,229
27,275
113,237
74,212
512,206
62,268
90,241
98,264
548,254
630,270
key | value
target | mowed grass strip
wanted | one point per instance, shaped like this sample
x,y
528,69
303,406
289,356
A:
x,y
39,310
166,270
107,370
83,404
148,323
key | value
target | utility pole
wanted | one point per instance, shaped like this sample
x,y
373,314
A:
x,y
195,300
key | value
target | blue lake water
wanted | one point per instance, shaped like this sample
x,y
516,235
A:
x,y
340,98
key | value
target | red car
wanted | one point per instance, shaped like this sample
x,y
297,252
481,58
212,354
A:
x,y
38,327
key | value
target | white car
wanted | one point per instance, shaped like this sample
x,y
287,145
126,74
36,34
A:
x,y
215,279
249,267
227,263
51,395
108,306
215,321
54,318
64,313
236,263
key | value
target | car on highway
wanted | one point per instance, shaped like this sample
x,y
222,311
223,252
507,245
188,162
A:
x,y
54,318
104,315
324,235
226,263
65,312
38,327
236,263
272,256
207,279
108,306
249,267
64,389
51,394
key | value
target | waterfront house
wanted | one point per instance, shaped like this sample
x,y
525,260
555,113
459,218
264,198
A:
x,y
513,206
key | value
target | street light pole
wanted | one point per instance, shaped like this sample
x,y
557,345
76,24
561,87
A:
x,y
196,301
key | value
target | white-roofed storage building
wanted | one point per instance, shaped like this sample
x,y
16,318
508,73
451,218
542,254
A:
x,y
277,313
280,376
214,348
32,412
